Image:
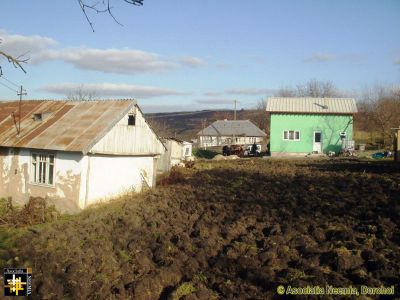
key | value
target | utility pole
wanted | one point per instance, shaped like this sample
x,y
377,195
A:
x,y
21,93
203,124
234,115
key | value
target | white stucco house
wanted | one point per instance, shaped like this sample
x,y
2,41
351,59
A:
x,y
177,151
75,153
230,132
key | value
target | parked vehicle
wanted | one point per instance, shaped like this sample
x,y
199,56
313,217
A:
x,y
237,150
253,150
233,150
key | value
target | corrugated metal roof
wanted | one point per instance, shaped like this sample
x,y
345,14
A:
x,y
65,125
232,128
312,105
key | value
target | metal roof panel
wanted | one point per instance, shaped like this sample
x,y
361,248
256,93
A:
x,y
66,125
312,105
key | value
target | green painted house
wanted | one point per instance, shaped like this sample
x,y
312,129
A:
x,y
300,126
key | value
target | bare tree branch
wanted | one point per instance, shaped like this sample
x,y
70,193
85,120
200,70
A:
x,y
312,88
15,61
380,111
103,7
81,95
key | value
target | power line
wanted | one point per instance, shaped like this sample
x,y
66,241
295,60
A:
x,y
3,84
9,81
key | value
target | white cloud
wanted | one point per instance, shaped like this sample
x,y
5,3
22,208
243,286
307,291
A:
x,y
249,91
191,61
16,45
157,108
111,90
215,101
320,58
120,61
213,94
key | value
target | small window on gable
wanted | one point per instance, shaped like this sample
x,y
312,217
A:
x,y
131,120
37,117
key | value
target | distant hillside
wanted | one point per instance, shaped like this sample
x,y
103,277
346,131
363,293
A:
x,y
185,125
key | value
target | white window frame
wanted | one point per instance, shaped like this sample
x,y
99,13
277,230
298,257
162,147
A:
x,y
43,158
252,140
295,133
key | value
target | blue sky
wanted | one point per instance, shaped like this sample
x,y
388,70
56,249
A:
x,y
185,55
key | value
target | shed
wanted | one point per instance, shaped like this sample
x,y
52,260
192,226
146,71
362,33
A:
x,y
228,132
75,153
300,126
177,152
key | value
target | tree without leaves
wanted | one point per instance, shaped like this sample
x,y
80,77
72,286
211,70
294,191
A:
x,y
81,95
261,118
315,88
286,92
379,111
16,61
312,88
105,6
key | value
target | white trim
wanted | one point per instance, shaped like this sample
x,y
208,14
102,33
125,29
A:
x,y
47,166
317,143
294,136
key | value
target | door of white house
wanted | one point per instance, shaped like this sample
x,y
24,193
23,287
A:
x,y
317,145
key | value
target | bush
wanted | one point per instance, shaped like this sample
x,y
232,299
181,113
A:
x,y
36,211
175,176
203,153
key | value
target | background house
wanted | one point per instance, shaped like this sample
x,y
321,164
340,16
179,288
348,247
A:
x,y
75,153
228,132
177,151
305,125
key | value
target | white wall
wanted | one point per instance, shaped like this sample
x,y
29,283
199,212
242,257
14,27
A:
x,y
111,176
208,141
174,155
16,174
138,139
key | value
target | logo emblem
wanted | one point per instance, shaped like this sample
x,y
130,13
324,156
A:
x,y
17,282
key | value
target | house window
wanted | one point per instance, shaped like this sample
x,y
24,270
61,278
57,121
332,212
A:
x,y
291,135
131,120
187,151
42,168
